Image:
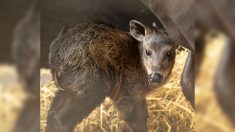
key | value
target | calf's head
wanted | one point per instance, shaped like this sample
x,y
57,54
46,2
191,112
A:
x,y
157,51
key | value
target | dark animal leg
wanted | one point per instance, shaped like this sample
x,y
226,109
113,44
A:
x,y
192,66
81,94
28,121
26,53
199,48
188,79
224,81
134,111
67,110
29,118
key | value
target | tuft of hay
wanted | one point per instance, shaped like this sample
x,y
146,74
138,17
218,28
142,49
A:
x,y
168,110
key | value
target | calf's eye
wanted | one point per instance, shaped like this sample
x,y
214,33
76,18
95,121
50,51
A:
x,y
170,54
147,52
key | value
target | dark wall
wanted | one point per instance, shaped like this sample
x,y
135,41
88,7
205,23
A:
x,y
56,14
11,11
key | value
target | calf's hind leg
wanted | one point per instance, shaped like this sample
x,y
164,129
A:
x,y
67,110
70,107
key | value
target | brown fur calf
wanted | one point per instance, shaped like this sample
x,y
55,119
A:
x,y
92,61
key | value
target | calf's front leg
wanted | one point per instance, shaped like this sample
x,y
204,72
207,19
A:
x,y
133,110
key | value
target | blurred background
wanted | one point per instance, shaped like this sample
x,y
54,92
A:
x,y
13,91
209,117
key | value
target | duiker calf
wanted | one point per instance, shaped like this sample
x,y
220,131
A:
x,y
92,61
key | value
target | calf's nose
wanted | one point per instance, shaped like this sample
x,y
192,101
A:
x,y
155,78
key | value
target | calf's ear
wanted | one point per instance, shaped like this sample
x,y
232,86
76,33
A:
x,y
138,30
